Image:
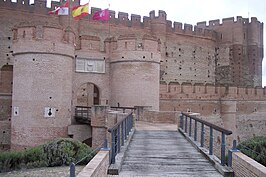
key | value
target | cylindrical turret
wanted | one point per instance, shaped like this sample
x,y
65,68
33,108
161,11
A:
x,y
42,84
134,73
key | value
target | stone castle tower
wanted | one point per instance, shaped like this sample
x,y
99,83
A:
x,y
52,64
129,84
239,51
42,83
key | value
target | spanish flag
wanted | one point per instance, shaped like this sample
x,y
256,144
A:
x,y
80,11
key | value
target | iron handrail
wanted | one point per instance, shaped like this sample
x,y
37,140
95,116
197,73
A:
x,y
83,114
83,107
188,128
119,123
119,133
123,108
220,129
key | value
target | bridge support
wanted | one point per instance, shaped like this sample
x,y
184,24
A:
x,y
98,124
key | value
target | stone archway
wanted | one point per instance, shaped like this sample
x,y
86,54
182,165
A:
x,y
88,94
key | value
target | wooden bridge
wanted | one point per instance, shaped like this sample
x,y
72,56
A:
x,y
160,150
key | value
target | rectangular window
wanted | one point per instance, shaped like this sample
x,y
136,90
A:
x,y
90,65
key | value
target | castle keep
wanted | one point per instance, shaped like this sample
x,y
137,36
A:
x,y
51,64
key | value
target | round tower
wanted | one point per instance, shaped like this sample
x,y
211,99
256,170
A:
x,y
135,67
42,83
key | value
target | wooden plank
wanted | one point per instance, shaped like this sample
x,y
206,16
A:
x,y
161,152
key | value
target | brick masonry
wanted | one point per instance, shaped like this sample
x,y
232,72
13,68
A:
x,y
97,167
238,109
246,167
38,61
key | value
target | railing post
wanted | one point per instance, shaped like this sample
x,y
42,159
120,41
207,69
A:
x,y
118,139
72,170
126,128
186,124
202,135
190,126
122,133
105,146
131,121
181,120
195,131
113,148
230,153
211,142
223,150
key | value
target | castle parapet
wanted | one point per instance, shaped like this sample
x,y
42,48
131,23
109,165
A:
x,y
146,22
228,21
188,28
112,16
47,38
178,27
200,91
38,7
90,42
214,22
123,18
135,20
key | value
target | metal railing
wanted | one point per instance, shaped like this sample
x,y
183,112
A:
x,y
72,169
186,125
83,114
123,108
119,133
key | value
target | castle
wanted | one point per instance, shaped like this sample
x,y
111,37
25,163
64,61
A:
x,y
51,64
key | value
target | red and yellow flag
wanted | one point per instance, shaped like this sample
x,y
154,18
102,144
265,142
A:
x,y
80,11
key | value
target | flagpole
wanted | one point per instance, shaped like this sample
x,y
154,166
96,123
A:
x,y
109,22
69,12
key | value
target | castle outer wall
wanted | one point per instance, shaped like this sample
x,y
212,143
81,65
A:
x,y
130,62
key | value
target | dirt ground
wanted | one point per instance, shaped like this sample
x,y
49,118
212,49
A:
x,y
42,172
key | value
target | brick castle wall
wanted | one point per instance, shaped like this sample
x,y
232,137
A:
x,y
228,53
215,104
246,167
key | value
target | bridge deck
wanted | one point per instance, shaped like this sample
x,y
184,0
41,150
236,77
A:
x,y
160,150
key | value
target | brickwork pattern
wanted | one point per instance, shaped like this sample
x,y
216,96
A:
x,y
97,167
138,54
215,103
246,167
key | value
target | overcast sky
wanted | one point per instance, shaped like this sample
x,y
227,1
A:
x,y
191,11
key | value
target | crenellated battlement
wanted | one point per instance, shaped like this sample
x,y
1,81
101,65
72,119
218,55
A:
x,y
209,91
39,6
42,31
135,21
34,37
228,21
